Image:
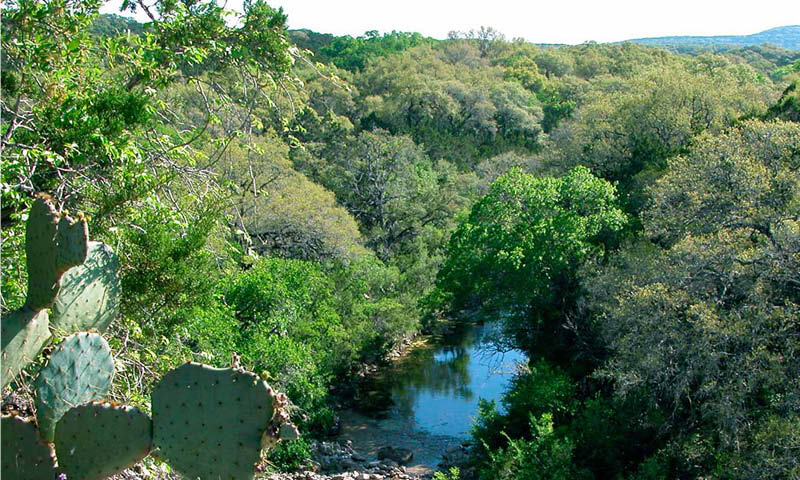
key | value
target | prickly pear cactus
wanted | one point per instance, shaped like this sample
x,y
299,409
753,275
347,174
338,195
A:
x,y
24,334
208,422
96,440
90,293
80,370
72,239
52,246
24,455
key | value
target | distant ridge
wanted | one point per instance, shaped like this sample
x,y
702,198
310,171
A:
x,y
785,37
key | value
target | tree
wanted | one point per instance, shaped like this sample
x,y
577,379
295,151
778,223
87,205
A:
x,y
626,130
706,324
81,118
517,254
390,186
457,111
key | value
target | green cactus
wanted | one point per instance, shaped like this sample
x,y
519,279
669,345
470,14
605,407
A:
x,y
96,440
24,334
209,422
90,293
80,370
24,455
72,239
52,246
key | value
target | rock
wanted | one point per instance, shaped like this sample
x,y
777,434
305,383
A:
x,y
358,458
399,455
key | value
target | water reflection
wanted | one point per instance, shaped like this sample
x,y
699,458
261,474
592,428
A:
x,y
437,388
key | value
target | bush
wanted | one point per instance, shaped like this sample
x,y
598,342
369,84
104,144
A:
x,y
290,456
548,455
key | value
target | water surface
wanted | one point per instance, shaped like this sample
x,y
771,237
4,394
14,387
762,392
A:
x,y
437,388
428,400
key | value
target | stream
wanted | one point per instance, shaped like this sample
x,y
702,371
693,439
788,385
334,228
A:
x,y
427,400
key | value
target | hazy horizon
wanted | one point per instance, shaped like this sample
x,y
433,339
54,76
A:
x,y
570,22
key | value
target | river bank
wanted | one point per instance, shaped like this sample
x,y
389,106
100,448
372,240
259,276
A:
x,y
425,398
341,460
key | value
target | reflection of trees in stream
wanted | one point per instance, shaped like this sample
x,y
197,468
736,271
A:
x,y
442,369
444,372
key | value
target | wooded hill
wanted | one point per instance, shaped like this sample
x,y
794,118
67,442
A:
x,y
628,213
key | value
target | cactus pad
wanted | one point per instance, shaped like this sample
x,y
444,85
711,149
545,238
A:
x,y
23,334
41,252
52,246
25,455
208,422
96,440
80,370
72,239
90,293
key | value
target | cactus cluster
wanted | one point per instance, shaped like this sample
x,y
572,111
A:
x,y
207,422
53,244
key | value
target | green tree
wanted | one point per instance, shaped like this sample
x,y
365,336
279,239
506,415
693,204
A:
x,y
704,324
391,187
625,131
518,252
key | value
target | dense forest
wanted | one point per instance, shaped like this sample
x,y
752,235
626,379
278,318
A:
x,y
305,202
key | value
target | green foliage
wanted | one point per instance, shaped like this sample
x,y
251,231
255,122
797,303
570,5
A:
x,y
788,106
108,25
453,474
457,108
290,456
625,132
518,252
374,304
711,310
543,389
390,187
194,145
355,53
166,270
546,455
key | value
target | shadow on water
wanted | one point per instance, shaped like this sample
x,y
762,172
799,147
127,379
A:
x,y
433,392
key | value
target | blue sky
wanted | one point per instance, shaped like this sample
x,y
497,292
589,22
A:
x,y
544,21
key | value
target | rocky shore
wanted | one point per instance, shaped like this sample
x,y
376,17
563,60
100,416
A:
x,y
335,461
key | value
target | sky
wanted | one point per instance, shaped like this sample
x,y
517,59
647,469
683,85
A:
x,y
548,21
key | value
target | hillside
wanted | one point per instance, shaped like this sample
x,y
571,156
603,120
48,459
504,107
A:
x,y
785,37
